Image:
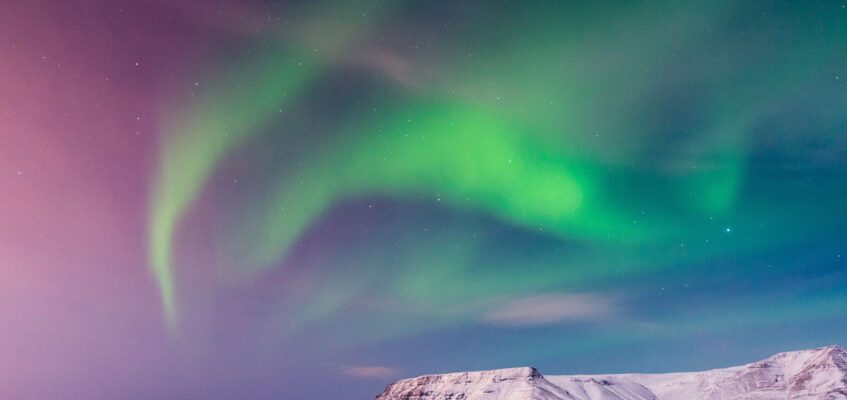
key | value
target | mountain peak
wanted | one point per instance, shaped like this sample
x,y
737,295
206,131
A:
x,y
815,374
794,362
834,350
831,349
831,352
507,383
495,374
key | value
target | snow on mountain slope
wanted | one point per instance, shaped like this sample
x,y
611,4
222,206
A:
x,y
819,374
809,374
501,384
602,388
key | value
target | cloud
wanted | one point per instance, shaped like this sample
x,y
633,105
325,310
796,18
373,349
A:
x,y
369,372
550,309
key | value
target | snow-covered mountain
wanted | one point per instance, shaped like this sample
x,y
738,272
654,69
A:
x,y
819,374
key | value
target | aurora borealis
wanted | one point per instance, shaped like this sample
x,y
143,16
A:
x,y
308,199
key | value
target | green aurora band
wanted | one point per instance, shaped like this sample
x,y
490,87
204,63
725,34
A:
x,y
198,141
525,152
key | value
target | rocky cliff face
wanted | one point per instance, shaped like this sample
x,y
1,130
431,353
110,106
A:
x,y
819,374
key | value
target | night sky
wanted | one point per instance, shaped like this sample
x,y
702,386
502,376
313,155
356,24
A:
x,y
311,199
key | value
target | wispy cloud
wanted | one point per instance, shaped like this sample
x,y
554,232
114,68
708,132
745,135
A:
x,y
551,308
369,372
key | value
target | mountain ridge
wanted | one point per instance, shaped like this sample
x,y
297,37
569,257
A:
x,y
814,374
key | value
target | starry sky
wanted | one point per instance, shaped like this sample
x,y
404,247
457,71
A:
x,y
311,199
